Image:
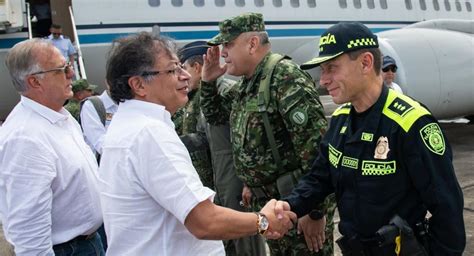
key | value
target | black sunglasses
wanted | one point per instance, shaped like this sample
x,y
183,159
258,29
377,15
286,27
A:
x,y
392,68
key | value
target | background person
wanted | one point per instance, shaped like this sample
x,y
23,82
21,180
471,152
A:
x,y
389,71
62,42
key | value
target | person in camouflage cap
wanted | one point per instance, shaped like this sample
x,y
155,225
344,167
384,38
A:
x,y
295,115
81,89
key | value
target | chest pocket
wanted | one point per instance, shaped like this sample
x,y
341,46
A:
x,y
376,176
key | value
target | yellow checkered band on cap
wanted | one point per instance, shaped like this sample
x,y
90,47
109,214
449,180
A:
x,y
361,42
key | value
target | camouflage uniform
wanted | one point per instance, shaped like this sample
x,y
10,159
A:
x,y
73,106
298,122
190,125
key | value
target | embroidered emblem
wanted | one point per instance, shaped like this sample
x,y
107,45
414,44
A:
x,y
433,138
299,116
334,155
382,148
350,162
367,137
400,107
343,129
376,168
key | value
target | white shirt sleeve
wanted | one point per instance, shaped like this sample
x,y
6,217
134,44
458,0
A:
x,y
27,176
168,174
94,130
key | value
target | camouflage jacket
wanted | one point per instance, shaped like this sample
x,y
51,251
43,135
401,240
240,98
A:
x,y
186,118
73,106
294,111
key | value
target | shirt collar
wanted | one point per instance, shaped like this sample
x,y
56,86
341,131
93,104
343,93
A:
x,y
152,110
52,38
108,102
49,114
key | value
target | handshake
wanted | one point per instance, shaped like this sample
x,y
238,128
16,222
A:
x,y
279,217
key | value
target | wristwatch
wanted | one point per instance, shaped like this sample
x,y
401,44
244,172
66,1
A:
x,y
316,214
262,223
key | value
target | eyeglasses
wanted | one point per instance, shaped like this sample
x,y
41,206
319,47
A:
x,y
66,69
56,34
175,71
392,68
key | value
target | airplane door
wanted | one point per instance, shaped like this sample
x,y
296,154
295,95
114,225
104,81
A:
x,y
60,16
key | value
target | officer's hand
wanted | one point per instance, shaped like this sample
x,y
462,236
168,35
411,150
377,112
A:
x,y
246,196
212,68
313,231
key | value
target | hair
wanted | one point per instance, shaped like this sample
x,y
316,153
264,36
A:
x,y
22,60
195,59
375,52
56,26
262,36
131,56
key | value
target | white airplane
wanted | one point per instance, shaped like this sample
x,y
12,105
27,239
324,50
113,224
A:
x,y
435,58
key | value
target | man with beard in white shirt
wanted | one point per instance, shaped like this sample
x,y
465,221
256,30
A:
x,y
153,200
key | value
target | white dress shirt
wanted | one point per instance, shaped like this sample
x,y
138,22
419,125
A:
x,y
94,130
48,179
149,185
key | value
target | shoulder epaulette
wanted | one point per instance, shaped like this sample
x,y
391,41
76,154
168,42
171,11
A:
x,y
403,110
344,109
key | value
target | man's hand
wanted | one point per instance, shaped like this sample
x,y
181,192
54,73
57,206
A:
x,y
279,223
246,196
313,231
212,68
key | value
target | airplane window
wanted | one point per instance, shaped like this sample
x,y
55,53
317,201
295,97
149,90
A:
x,y
259,3
199,3
423,5
371,4
458,5
295,3
220,3
343,4
177,3
154,3
383,4
311,3
240,3
408,4
468,7
277,3
436,5
447,5
357,4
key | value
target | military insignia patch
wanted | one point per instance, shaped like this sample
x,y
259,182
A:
x,y
433,138
367,136
400,107
299,117
382,148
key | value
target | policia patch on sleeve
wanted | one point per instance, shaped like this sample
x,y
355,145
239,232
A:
x,y
433,138
299,116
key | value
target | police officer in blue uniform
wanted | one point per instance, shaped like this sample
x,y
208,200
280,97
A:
x,y
385,157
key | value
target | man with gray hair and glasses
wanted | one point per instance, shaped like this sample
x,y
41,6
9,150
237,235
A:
x,y
49,202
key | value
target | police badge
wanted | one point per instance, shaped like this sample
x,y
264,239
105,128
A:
x,y
381,149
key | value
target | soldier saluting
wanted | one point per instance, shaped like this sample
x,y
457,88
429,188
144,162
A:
x,y
276,122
